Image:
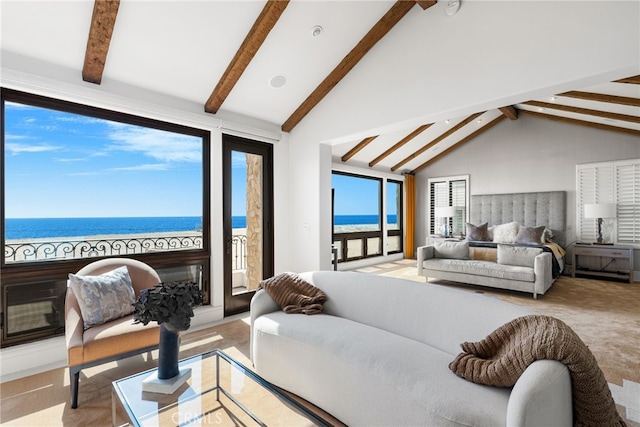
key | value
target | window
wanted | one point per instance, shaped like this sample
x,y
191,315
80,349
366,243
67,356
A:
x,y
80,183
448,192
610,182
367,221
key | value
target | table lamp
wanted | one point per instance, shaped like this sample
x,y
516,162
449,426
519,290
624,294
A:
x,y
599,211
447,212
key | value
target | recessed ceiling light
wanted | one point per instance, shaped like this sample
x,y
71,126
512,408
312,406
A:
x,y
316,31
553,98
540,109
447,121
451,7
278,81
479,121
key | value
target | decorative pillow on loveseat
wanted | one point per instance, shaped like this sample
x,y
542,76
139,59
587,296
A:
x,y
517,255
451,249
105,297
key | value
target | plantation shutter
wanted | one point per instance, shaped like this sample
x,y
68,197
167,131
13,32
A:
x,y
610,182
439,197
449,191
458,197
628,201
595,185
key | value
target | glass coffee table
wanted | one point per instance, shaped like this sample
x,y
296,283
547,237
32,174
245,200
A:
x,y
221,391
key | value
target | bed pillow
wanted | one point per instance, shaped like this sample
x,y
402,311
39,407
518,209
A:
x,y
517,255
506,233
479,233
105,297
530,235
451,249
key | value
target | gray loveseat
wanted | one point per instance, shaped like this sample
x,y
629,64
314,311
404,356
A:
x,y
518,268
379,356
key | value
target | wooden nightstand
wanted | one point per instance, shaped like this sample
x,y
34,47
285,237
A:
x,y
603,260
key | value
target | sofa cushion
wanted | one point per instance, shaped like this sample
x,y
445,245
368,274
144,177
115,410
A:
x,y
481,268
451,249
517,255
104,297
305,355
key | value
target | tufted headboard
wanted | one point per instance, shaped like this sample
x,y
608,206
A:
x,y
529,209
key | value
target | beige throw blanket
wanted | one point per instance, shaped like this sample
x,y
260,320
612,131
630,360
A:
x,y
501,358
294,294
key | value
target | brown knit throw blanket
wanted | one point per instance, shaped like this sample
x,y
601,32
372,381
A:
x,y
501,358
294,294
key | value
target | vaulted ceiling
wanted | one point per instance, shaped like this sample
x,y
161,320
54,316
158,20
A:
x,y
276,61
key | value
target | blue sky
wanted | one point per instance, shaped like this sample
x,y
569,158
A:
x,y
65,165
357,196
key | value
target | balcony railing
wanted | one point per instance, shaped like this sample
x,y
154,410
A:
x,y
16,251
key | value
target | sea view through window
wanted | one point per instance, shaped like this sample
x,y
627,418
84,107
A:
x,y
81,179
81,183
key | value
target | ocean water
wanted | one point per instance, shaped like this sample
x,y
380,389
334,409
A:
x,y
361,219
37,228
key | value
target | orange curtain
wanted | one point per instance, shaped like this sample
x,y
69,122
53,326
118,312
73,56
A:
x,y
410,215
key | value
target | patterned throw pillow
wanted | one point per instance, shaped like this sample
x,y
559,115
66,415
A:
x,y
478,233
104,297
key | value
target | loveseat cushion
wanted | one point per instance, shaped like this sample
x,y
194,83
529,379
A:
x,y
451,249
517,255
481,268
312,356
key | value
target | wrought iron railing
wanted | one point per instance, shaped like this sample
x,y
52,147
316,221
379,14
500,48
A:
x,y
41,250
239,251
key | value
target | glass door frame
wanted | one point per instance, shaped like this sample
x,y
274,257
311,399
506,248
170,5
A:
x,y
239,303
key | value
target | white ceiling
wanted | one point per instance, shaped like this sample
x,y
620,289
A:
x,y
428,68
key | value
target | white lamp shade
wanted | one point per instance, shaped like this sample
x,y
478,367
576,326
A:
x,y
446,211
599,210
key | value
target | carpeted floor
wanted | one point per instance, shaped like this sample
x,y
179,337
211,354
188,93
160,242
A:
x,y
605,314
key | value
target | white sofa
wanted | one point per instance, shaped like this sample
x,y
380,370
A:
x,y
517,268
379,356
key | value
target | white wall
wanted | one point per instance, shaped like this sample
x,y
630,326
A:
x,y
528,154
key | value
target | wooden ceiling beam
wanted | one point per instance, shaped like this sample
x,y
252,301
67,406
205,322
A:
x,y
612,99
247,50
635,80
460,143
358,147
582,123
103,21
438,139
588,111
399,144
426,4
399,9
510,112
